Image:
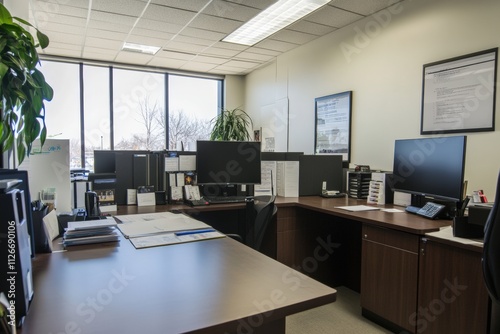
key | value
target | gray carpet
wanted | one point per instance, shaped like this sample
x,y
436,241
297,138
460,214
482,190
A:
x,y
342,316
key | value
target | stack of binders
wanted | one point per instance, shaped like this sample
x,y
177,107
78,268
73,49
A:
x,y
90,232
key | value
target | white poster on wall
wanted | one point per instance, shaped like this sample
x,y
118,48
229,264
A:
x,y
48,169
274,134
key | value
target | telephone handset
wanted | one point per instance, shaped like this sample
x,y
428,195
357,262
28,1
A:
x,y
92,205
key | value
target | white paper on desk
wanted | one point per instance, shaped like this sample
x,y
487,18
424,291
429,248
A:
x,y
187,162
91,224
51,227
392,210
154,223
356,208
170,239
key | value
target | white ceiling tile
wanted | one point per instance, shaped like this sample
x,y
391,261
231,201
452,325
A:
x,y
175,16
212,23
98,56
311,28
68,46
63,19
113,18
62,52
197,67
114,35
220,52
211,60
164,36
260,4
276,45
61,37
134,57
210,35
294,37
241,64
247,55
231,10
109,26
162,26
333,17
193,40
192,5
167,62
177,46
64,28
185,56
363,7
124,7
96,42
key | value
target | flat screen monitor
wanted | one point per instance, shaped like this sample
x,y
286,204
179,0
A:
x,y
228,162
430,167
104,161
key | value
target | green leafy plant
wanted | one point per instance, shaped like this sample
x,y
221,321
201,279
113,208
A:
x,y
23,88
231,124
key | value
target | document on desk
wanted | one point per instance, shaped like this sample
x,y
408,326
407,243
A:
x,y
164,239
154,223
356,208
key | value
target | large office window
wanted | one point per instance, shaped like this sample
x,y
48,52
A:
x,y
125,109
139,110
193,102
62,114
97,111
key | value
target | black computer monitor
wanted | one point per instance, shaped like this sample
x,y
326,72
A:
x,y
430,167
104,161
228,162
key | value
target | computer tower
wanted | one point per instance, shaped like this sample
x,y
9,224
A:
x,y
16,280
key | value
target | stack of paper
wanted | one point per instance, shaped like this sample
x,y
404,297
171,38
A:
x,y
90,232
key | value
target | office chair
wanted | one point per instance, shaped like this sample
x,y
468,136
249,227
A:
x,y
259,212
491,260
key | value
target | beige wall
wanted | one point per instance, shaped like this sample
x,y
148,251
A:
x,y
383,67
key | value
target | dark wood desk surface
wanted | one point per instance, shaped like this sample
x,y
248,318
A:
x,y
398,221
212,286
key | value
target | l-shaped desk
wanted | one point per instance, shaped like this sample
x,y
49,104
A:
x,y
410,280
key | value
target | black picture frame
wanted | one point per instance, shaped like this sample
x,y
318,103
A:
x,y
458,94
333,125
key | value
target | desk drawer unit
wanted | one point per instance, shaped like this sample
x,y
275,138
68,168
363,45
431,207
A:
x,y
389,277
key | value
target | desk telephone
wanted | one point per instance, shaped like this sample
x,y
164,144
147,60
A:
x,y
429,210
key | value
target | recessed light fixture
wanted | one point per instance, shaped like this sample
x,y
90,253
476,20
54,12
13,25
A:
x,y
274,18
140,48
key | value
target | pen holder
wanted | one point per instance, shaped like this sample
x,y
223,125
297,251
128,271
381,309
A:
x,y
463,229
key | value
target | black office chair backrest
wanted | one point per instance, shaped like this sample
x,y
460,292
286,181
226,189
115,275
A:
x,y
264,211
491,249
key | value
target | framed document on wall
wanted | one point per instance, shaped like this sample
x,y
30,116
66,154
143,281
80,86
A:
x,y
459,94
333,124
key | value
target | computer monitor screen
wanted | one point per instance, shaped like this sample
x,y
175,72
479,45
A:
x,y
104,161
228,162
430,167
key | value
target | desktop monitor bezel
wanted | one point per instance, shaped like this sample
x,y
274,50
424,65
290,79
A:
x,y
232,155
423,149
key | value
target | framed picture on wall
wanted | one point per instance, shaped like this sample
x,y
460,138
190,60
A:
x,y
333,124
459,94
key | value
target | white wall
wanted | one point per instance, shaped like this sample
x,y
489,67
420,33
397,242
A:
x,y
384,71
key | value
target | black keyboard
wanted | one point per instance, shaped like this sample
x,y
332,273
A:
x,y
224,199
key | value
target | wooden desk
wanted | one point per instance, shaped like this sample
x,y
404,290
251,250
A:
x,y
387,257
211,286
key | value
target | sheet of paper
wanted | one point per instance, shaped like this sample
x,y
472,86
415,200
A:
x,y
51,226
171,164
355,208
171,238
392,210
154,223
91,224
180,179
187,162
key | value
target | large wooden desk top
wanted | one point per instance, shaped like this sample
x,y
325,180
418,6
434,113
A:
x,y
212,286
398,221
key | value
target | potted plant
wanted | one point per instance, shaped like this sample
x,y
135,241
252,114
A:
x,y
23,88
231,124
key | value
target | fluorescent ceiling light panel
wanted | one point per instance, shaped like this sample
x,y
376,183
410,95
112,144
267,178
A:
x,y
273,19
140,48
